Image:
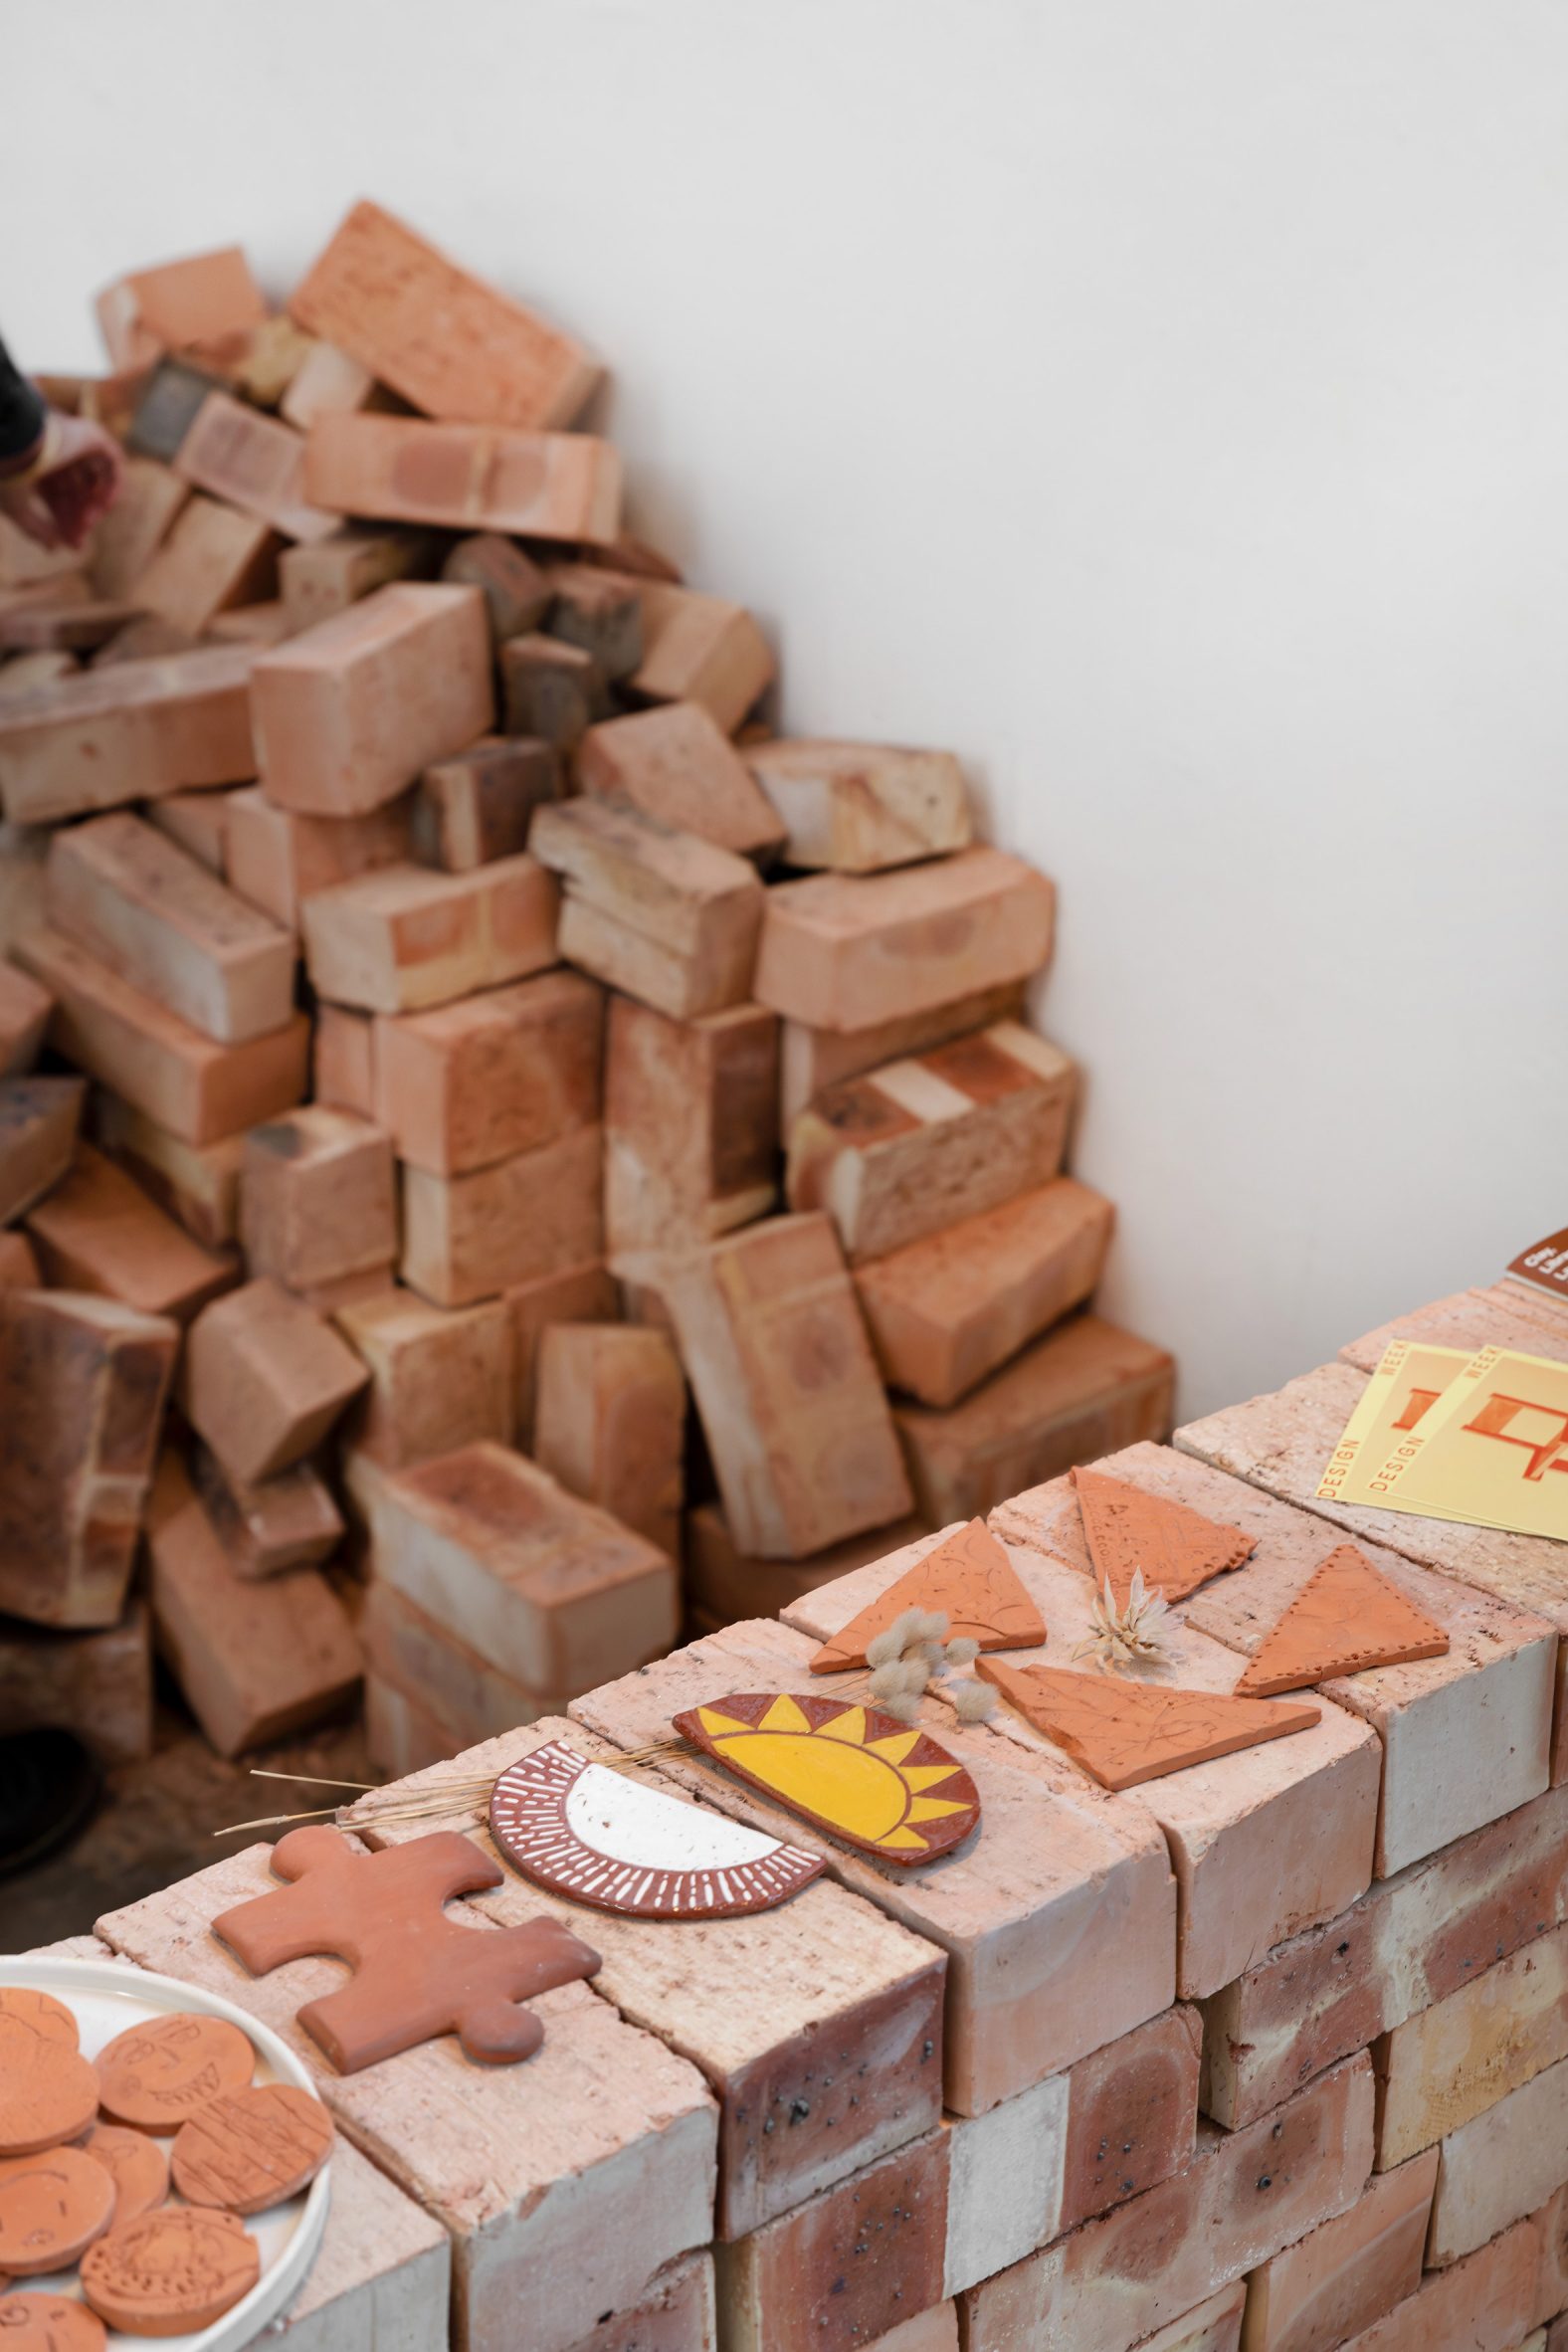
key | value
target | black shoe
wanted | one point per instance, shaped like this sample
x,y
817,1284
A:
x,y
50,1786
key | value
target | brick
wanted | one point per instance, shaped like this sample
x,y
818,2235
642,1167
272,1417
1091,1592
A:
x,y
675,2314
818,2026
947,1310
574,2180
920,1144
23,564
440,1377
212,557
199,1184
197,1089
24,1016
473,1082
447,343
38,1118
552,1591
793,1410
1214,2325
254,1660
478,806
263,624
317,582
382,2277
1264,1843
163,405
131,734
610,1423
97,1232
259,362
583,1293
842,951
265,1379
516,591
151,501
729,1584
146,638
550,691
858,808
472,1236
81,628
348,713
468,476
317,1197
1059,1922
690,1123
401,938
1465,1737
82,1383
677,764
286,1521
276,857
199,822
1344,2275
18,1265
1150,2261
1282,1443
812,1060
1484,2304
1452,2062
1498,2166
1084,1390
599,610
101,1683
141,906
325,383
1506,1315
401,1733
1411,1940
255,463
461,1696
698,649
196,299
23,674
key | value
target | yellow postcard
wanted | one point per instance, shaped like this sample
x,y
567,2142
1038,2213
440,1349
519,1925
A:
x,y
1492,1448
1406,1385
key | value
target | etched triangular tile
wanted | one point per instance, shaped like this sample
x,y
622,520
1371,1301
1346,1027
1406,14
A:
x,y
1345,1619
1128,1732
970,1578
1177,1548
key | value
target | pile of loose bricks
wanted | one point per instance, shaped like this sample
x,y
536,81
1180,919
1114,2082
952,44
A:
x,y
444,1023
1270,2053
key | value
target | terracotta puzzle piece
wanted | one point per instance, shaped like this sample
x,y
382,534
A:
x,y
856,1772
49,2323
172,2272
417,1973
1345,1619
51,2207
156,2074
47,2094
603,1837
138,2166
1177,1548
1128,1732
970,1578
253,2149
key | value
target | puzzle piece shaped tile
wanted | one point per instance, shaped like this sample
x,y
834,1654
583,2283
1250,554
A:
x,y
417,1973
1345,1619
1128,1732
1177,1548
973,1583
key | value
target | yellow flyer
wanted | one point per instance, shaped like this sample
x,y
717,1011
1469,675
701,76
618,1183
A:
x,y
1492,1448
1406,1385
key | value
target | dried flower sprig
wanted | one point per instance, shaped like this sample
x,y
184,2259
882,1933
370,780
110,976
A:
x,y
1133,1636
916,1650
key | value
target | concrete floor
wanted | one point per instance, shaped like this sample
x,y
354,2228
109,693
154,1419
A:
x,y
158,1821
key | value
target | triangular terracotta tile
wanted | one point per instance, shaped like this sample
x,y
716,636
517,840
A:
x,y
1177,1548
1345,1619
970,1578
1128,1732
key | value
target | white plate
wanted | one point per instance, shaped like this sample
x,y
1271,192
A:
x,y
104,1997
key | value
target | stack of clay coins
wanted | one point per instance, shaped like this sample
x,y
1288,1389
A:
x,y
85,2177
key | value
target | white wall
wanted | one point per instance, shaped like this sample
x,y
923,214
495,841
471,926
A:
x,y
1162,402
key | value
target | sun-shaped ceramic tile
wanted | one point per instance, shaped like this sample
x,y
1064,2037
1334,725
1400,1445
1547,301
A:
x,y
853,1770
625,1844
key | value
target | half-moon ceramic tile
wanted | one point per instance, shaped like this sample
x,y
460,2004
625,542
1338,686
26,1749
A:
x,y
1177,1548
605,1838
1345,1619
970,1578
1128,1732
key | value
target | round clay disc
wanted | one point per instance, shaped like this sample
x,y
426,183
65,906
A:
x,y
172,2272
158,2074
29,2019
51,2207
48,2096
49,2323
252,2148
138,2166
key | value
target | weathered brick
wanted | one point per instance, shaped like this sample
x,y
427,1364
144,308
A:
x,y
440,1377
609,1423
478,805
677,764
401,938
317,1197
466,478
469,1083
265,1379
97,1232
691,1114
698,649
199,298
276,857
1452,2062
212,558
253,461
134,733
39,1119
858,808
581,1293
1344,2275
